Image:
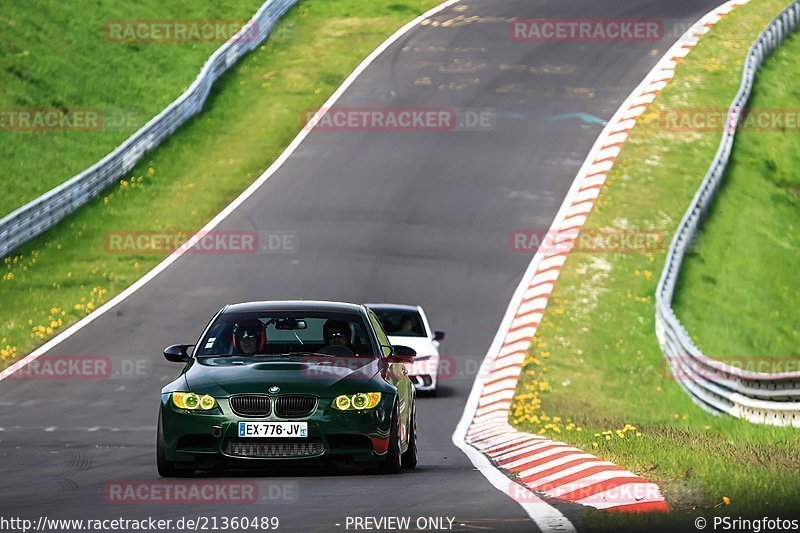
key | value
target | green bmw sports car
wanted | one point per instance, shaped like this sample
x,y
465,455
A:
x,y
280,381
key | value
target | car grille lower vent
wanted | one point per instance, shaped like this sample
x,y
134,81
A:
x,y
295,406
246,448
251,405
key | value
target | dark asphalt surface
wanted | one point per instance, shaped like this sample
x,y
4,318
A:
x,y
418,217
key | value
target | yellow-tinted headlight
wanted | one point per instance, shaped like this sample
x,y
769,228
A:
x,y
357,402
360,401
192,401
207,402
342,403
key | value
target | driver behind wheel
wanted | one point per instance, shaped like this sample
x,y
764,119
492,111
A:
x,y
337,333
249,337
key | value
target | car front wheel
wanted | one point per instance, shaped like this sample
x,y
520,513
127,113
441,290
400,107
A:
x,y
410,455
393,461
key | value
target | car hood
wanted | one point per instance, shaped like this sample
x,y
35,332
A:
x,y
422,345
223,376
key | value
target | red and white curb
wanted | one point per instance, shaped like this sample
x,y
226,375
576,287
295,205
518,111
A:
x,y
539,465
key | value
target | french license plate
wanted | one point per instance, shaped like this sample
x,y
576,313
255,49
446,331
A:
x,y
273,429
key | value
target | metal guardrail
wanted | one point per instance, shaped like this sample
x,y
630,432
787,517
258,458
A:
x,y
715,386
44,212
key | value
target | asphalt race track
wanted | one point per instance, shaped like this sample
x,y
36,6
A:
x,y
403,216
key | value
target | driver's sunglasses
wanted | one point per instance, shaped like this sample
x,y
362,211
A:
x,y
334,334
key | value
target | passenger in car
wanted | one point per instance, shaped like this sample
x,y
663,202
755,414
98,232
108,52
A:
x,y
249,337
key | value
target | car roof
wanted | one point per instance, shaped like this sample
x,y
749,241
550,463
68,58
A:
x,y
293,305
393,307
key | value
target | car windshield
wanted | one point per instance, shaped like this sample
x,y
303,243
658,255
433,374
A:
x,y
286,333
401,323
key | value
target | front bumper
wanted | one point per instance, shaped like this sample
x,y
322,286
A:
x,y
200,438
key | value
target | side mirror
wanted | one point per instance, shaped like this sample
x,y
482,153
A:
x,y
402,354
177,353
438,335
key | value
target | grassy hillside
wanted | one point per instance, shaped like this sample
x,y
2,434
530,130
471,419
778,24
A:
x,y
58,55
737,294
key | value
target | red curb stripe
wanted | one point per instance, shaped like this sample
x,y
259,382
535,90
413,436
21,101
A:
x,y
539,462
531,312
477,436
596,488
583,201
578,215
533,287
549,269
574,227
510,354
602,172
619,144
532,478
487,434
503,448
498,380
495,402
576,476
597,186
528,324
536,452
641,507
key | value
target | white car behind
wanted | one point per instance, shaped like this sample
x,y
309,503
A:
x,y
407,325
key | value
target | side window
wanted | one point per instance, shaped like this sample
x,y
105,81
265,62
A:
x,y
383,340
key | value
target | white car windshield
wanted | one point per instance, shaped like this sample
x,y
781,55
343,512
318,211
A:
x,y
401,323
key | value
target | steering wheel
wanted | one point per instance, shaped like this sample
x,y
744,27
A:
x,y
335,350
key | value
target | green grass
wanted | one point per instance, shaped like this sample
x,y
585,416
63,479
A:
x,y
595,361
253,114
56,54
737,294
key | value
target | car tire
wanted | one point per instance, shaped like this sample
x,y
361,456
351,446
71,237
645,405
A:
x,y
394,455
409,458
165,467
